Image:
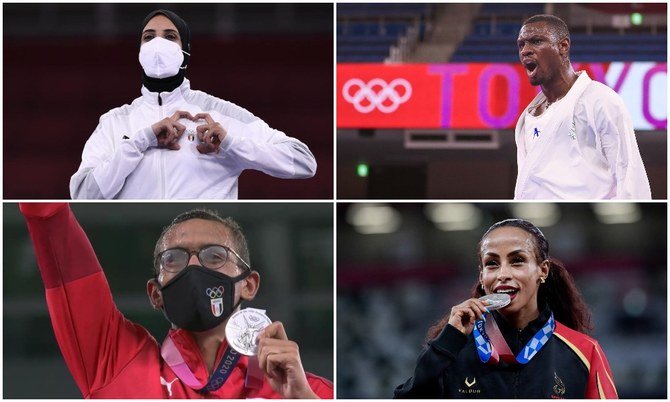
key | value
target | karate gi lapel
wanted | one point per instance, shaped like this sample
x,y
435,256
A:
x,y
558,126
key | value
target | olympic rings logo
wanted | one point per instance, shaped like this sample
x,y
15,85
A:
x,y
214,292
376,94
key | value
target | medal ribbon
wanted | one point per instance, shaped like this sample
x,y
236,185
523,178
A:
x,y
488,346
175,360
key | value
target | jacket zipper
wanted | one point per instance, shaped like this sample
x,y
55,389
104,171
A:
x,y
161,161
516,372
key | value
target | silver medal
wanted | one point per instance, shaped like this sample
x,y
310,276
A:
x,y
242,330
496,300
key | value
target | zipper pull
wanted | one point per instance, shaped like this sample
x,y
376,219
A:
x,y
160,101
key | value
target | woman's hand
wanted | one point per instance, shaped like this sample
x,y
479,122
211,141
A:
x,y
464,315
169,130
210,134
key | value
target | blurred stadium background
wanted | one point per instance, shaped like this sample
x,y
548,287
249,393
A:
x,y
447,132
401,267
67,64
290,245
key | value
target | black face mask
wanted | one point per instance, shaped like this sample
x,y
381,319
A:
x,y
198,299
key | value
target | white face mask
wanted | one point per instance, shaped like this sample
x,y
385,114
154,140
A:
x,y
161,58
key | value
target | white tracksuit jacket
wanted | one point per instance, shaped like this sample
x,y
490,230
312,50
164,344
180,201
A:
x,y
121,158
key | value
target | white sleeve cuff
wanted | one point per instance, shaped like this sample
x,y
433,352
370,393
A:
x,y
144,139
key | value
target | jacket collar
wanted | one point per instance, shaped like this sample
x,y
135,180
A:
x,y
167,98
583,80
517,339
189,350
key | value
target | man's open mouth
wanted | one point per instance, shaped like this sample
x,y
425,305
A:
x,y
530,67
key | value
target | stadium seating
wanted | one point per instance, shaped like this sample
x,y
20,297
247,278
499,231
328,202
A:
x,y
514,10
366,32
613,47
501,48
367,41
496,27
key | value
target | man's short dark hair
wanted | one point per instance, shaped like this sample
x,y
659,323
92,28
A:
x,y
239,240
557,25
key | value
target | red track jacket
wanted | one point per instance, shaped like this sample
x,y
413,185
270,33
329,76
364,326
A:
x,y
109,356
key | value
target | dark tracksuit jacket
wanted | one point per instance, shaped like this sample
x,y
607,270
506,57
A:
x,y
570,365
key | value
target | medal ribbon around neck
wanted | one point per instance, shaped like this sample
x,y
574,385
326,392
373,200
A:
x,y
175,360
488,346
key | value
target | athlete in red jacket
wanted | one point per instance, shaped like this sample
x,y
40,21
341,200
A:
x,y
111,357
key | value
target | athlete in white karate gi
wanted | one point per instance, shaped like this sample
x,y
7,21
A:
x,y
575,140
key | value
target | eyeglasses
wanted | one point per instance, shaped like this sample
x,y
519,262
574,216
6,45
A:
x,y
214,256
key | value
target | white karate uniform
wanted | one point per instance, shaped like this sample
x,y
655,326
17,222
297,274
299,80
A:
x,y
121,158
585,149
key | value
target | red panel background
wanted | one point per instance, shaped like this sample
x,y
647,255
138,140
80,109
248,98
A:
x,y
421,110
55,91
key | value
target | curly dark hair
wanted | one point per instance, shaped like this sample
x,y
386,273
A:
x,y
559,290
